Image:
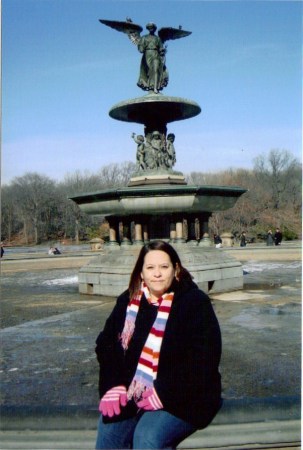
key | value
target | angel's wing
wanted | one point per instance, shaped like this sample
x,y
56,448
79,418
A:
x,y
168,33
131,29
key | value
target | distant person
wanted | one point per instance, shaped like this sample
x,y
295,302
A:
x,y
217,241
159,355
2,249
243,241
54,251
278,237
269,238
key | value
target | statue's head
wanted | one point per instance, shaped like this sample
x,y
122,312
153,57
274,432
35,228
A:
x,y
171,137
156,135
151,26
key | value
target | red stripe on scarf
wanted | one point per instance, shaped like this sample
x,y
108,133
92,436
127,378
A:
x,y
164,309
145,362
157,333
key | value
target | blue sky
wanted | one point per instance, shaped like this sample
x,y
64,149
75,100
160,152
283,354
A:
x,y
62,71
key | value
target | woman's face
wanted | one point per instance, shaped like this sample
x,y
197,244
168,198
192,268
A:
x,y
157,272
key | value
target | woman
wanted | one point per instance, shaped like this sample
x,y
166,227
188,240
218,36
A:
x,y
269,239
159,354
243,239
217,241
278,237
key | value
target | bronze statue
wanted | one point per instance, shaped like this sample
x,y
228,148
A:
x,y
139,139
155,152
170,149
153,72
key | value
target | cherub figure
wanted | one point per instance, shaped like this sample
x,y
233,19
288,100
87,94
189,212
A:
x,y
157,145
139,139
153,72
170,149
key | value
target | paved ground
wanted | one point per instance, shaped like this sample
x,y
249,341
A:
x,y
48,368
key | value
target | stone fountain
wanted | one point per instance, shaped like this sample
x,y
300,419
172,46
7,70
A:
x,y
157,203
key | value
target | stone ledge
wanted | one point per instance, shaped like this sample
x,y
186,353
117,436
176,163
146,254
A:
x,y
233,412
232,436
250,423
264,435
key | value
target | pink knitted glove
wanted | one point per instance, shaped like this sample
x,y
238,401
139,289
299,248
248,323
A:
x,y
111,401
150,400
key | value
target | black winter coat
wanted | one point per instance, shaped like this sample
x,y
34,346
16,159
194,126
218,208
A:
x,y
188,381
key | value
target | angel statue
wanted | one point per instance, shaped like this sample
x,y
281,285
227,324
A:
x,y
153,72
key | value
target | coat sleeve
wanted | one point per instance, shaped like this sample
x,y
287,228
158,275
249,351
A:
x,y
109,351
189,382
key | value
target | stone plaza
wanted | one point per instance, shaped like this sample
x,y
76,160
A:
x,y
49,372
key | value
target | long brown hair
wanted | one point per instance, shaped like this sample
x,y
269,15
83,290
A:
x,y
183,276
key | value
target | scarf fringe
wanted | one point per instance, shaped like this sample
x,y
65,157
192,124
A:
x,y
127,333
136,390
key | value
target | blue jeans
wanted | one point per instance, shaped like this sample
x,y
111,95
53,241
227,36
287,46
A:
x,y
152,429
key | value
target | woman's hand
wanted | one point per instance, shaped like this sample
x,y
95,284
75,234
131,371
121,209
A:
x,y
150,401
111,401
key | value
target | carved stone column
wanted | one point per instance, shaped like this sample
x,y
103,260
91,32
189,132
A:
x,y
197,229
179,230
205,241
173,232
126,239
145,233
138,234
113,230
191,226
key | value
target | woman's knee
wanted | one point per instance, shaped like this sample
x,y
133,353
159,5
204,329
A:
x,y
115,435
161,430
145,438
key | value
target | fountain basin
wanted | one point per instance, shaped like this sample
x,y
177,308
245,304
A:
x,y
159,200
154,108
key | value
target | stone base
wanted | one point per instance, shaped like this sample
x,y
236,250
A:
x,y
142,180
108,274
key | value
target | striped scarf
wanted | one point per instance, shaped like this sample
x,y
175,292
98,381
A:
x,y
147,367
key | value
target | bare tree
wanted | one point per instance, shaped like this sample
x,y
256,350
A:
x,y
116,175
10,222
273,196
41,209
33,196
111,176
276,174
